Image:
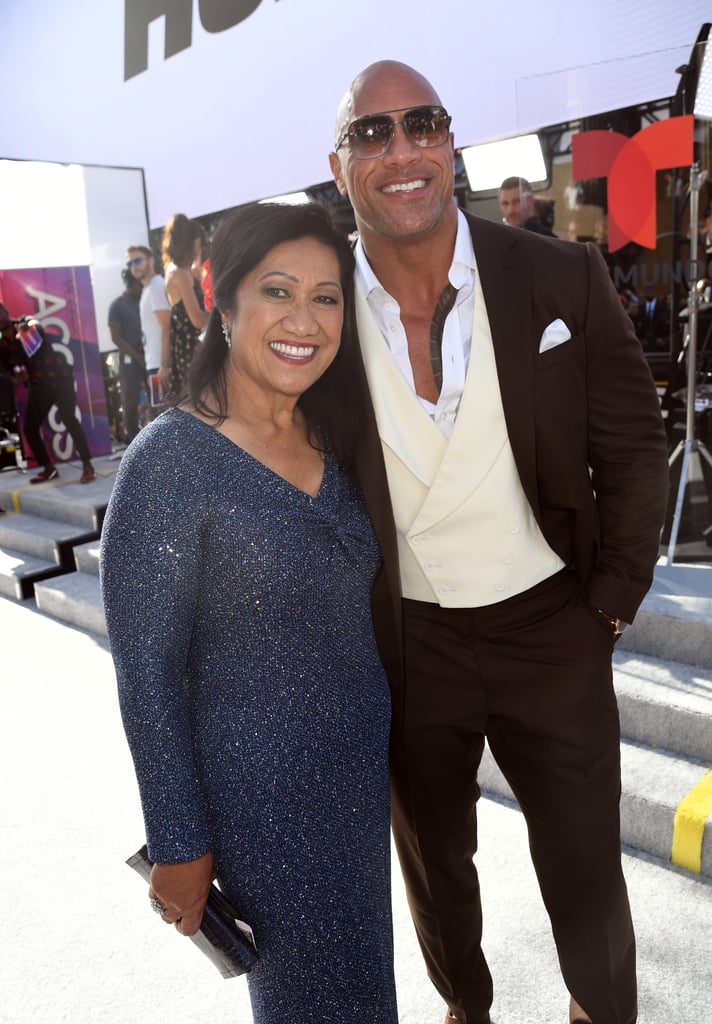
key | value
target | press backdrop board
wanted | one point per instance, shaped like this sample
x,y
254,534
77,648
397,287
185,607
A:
x,y
61,298
226,101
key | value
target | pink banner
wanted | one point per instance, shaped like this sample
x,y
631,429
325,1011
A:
x,y
62,300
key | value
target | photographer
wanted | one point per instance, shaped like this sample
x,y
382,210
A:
x,y
27,357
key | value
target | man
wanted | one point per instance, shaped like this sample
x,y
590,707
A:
x,y
125,327
652,323
518,206
518,489
155,312
28,357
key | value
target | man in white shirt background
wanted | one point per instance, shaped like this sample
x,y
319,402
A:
x,y
155,312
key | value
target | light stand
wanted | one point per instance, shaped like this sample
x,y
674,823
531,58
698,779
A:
x,y
691,446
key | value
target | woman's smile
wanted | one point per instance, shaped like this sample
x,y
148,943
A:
x,y
292,352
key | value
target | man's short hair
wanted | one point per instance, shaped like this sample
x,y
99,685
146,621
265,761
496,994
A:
x,y
521,183
148,253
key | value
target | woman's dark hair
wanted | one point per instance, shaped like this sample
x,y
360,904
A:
x,y
242,240
179,236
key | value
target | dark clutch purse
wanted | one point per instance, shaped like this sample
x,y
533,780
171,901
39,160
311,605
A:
x,y
223,938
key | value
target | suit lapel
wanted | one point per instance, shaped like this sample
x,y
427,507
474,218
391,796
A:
x,y
507,286
479,433
403,424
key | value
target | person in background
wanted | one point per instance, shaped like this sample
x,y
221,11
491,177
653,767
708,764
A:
x,y
629,301
155,313
705,244
182,254
516,201
544,209
236,569
518,488
28,357
125,327
652,322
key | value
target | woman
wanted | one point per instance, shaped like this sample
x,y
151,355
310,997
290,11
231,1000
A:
x,y
236,570
182,252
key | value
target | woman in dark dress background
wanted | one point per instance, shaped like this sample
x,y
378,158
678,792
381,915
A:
x,y
182,253
237,562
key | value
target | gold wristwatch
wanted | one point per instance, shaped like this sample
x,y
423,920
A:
x,y
617,625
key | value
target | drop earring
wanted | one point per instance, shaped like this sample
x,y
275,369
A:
x,y
227,335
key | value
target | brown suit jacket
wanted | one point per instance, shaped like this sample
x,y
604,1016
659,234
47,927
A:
x,y
583,420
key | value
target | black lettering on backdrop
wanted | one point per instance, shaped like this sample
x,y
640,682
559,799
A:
x,y
640,277
215,16
219,15
139,14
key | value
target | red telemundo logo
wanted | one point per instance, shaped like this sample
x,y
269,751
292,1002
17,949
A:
x,y
630,164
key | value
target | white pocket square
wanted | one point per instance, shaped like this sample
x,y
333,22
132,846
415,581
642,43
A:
x,y
555,334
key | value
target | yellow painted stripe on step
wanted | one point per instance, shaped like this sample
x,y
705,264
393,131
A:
x,y
16,500
689,827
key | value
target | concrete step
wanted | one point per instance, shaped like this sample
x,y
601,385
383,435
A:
x,y
86,556
44,538
70,502
664,704
653,783
63,499
19,572
74,598
675,619
48,539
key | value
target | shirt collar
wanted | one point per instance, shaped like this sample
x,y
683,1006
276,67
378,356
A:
x,y
462,268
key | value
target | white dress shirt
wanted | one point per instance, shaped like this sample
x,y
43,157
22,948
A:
x,y
457,333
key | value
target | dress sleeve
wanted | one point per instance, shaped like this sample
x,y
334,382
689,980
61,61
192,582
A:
x,y
151,569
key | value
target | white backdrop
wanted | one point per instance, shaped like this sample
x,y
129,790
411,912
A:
x,y
55,216
248,112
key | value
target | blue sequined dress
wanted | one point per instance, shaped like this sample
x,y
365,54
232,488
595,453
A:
x,y
256,707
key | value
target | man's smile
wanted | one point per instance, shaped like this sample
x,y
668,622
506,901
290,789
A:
x,y
404,186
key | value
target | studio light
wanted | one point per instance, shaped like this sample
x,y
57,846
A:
x,y
488,164
693,96
694,93
291,199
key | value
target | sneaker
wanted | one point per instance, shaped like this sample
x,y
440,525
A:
x,y
88,475
48,473
2,511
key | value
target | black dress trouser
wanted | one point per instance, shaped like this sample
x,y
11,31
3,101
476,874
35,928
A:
x,y
41,398
533,675
133,378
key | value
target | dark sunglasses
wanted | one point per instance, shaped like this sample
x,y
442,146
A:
x,y
137,261
370,136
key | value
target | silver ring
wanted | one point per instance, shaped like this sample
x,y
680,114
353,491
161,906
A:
x,y
156,904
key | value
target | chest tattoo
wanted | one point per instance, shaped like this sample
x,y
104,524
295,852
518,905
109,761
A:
x,y
437,326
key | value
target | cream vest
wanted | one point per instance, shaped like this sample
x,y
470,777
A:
x,y
467,536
